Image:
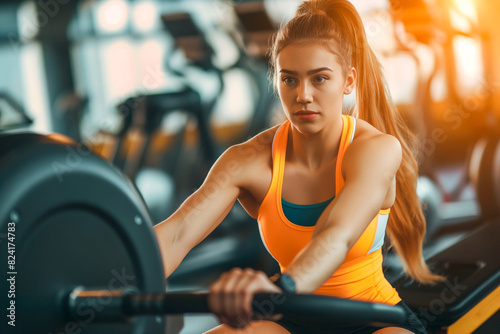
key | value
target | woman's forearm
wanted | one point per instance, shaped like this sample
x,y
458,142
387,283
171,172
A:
x,y
172,251
316,262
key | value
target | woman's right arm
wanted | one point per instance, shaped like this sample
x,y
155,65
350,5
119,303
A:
x,y
203,211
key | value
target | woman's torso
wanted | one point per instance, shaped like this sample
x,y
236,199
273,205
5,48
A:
x,y
360,277
261,169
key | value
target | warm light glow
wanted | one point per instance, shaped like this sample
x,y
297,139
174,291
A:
x,y
363,6
401,75
235,104
467,8
469,64
281,11
459,22
145,16
119,62
151,58
28,24
112,16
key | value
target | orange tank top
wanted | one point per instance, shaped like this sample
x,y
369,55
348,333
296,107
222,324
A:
x,y
360,277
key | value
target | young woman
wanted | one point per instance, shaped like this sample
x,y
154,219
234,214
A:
x,y
323,186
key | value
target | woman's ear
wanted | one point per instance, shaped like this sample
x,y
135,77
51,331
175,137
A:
x,y
350,80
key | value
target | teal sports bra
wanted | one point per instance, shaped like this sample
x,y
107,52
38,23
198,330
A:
x,y
304,215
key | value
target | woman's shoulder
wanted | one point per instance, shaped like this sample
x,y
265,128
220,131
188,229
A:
x,y
249,162
259,145
253,151
369,143
365,130
366,133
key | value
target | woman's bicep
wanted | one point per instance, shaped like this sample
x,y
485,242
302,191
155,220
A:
x,y
370,171
205,209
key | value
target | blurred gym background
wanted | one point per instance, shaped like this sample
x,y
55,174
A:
x,y
161,88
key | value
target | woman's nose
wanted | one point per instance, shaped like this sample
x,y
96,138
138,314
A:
x,y
304,95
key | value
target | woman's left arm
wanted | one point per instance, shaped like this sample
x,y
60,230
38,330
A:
x,y
370,167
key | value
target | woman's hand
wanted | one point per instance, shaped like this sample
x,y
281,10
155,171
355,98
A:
x,y
231,296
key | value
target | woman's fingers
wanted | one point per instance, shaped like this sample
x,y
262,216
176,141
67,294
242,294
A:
x,y
230,306
221,299
244,295
215,297
231,296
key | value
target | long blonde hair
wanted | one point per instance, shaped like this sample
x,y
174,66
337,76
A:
x,y
338,21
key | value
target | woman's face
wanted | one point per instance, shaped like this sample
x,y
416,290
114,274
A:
x,y
311,85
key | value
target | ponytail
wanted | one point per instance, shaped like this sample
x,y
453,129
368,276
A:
x,y
338,21
406,226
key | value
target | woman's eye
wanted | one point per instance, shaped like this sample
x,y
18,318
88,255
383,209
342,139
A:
x,y
288,80
320,79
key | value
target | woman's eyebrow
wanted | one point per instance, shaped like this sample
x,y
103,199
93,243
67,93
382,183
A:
x,y
309,72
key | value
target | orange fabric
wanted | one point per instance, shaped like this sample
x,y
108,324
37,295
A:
x,y
360,277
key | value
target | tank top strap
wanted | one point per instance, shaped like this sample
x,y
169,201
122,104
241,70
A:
x,y
279,153
280,140
348,129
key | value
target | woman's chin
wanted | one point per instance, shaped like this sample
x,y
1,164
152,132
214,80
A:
x,y
307,128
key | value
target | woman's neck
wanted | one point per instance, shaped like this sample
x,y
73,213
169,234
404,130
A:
x,y
315,150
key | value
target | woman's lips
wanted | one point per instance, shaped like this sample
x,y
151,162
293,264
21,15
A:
x,y
306,115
